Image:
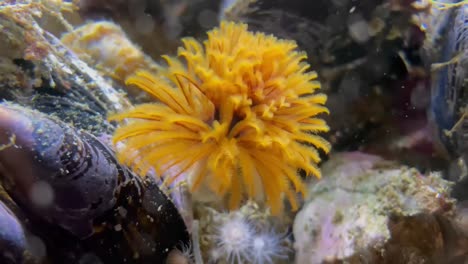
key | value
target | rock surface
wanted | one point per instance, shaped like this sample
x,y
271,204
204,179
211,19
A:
x,y
368,210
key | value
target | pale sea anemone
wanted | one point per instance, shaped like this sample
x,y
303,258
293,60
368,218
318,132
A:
x,y
266,248
233,239
242,239
237,114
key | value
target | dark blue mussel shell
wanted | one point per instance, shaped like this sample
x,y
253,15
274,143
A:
x,y
12,237
450,84
81,203
449,98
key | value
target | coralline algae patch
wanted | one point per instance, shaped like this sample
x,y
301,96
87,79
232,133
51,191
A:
x,y
350,213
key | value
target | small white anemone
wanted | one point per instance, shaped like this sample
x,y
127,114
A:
x,y
234,238
181,255
266,248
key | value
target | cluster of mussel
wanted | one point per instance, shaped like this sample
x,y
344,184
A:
x,y
63,196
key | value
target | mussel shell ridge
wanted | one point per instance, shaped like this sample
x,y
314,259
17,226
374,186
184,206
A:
x,y
48,168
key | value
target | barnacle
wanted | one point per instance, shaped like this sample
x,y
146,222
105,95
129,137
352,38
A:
x,y
239,116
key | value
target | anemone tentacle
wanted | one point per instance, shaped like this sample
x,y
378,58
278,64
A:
x,y
238,113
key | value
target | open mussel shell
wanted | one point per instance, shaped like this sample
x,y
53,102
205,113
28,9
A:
x,y
85,204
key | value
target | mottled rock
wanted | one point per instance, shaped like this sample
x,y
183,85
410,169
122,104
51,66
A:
x,y
368,210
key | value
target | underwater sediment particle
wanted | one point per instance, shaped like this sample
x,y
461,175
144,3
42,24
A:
x,y
369,210
239,120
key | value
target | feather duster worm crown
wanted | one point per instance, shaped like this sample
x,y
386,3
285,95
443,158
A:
x,y
237,115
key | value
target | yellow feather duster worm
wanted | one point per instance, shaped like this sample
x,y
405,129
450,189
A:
x,y
237,114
